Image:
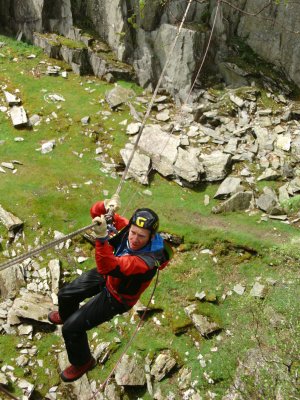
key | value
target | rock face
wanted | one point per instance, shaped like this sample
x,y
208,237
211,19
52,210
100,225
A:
x,y
26,17
273,36
135,34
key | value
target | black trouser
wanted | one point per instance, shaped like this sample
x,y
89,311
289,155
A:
x,y
100,308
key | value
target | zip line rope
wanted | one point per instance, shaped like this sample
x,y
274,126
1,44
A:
x,y
21,258
53,243
7,393
194,82
152,99
136,330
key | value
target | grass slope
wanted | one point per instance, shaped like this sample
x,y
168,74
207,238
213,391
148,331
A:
x,y
54,192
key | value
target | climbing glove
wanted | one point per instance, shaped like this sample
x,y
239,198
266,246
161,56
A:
x,y
114,202
101,228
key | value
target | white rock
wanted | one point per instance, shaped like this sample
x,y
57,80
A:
x,y
8,165
239,289
133,128
82,259
47,147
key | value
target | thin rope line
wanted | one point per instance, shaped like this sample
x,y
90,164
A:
x,y
46,246
194,82
8,394
137,328
152,100
206,51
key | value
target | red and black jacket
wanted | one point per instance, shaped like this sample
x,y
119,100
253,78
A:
x,y
128,275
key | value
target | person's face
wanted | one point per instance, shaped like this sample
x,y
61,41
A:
x,y
138,237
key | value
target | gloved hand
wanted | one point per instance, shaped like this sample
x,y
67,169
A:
x,y
101,228
114,202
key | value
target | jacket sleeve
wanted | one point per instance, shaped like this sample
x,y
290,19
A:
x,y
108,264
98,209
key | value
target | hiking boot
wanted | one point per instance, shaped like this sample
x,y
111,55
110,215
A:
x,y
73,372
54,318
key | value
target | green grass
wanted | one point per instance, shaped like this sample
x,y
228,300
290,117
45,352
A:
x,y
41,193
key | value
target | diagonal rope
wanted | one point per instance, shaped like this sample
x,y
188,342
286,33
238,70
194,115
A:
x,y
136,330
152,99
192,86
206,51
22,257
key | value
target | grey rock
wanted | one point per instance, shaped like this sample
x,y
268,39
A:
x,y
238,202
229,186
11,99
85,120
283,193
34,120
236,100
266,202
258,290
133,128
118,96
32,306
101,352
113,392
140,164
160,147
283,142
233,75
184,378
162,365
130,372
231,146
187,166
201,322
18,116
269,175
11,280
54,268
10,221
163,116
49,44
216,165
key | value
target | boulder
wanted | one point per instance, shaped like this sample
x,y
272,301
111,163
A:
x,y
161,147
229,186
10,221
238,202
216,165
18,116
140,165
203,324
11,280
162,365
32,306
188,166
130,372
118,96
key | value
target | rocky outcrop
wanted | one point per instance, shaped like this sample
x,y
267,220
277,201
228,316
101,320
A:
x,y
143,36
84,55
26,17
274,34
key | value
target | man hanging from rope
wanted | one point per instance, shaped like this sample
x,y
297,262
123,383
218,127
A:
x,y
126,264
